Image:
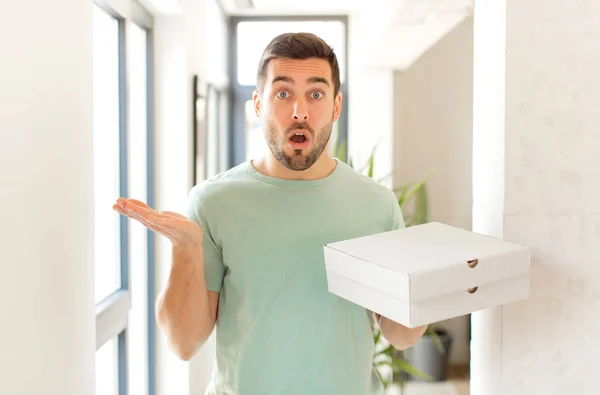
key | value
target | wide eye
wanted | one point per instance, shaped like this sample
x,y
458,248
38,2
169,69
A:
x,y
316,95
282,95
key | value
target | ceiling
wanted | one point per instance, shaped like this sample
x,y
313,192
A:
x,y
289,7
398,31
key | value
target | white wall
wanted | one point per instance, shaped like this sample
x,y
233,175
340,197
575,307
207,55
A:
x,y
552,200
552,182
47,335
433,125
371,93
433,134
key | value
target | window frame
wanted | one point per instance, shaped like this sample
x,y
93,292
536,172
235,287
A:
x,y
145,20
239,94
112,312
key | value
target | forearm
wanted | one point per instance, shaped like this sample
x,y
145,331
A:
x,y
183,310
398,335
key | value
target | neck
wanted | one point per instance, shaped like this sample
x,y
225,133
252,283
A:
x,y
270,166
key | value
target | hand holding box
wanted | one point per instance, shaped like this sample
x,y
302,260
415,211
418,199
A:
x,y
427,273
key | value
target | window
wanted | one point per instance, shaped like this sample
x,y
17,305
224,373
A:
x,y
255,142
110,169
250,35
213,122
138,340
123,148
210,130
253,36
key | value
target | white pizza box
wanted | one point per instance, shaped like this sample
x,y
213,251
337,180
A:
x,y
427,273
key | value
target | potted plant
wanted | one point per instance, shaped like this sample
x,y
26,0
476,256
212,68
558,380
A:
x,y
430,355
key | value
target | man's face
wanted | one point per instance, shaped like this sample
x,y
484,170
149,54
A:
x,y
297,108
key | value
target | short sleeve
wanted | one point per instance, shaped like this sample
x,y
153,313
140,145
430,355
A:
x,y
214,268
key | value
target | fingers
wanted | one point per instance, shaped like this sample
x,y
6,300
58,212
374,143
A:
x,y
148,221
140,209
140,212
124,203
173,214
121,202
159,221
130,214
139,203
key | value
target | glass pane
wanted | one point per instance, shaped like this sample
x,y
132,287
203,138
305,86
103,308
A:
x,y
107,368
138,186
223,131
138,101
212,133
106,153
255,140
253,37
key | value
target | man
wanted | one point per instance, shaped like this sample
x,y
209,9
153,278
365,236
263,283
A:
x,y
248,256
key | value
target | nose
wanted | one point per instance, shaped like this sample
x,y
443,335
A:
x,y
300,111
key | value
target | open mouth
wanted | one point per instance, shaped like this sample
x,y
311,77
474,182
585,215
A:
x,y
298,140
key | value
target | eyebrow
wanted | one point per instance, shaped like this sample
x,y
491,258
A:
x,y
311,80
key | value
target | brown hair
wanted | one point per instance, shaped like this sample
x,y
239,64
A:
x,y
298,46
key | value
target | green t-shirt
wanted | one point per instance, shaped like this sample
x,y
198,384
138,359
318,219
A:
x,y
279,330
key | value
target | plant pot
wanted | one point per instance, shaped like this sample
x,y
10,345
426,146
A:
x,y
427,357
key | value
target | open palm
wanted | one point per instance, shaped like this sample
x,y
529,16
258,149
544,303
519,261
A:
x,y
176,227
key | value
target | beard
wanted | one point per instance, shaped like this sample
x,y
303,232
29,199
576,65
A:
x,y
299,160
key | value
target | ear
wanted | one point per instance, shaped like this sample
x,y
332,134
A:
x,y
337,106
257,102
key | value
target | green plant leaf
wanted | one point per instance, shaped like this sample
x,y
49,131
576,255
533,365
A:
x,y
421,206
389,350
368,166
400,195
430,331
377,337
371,162
383,382
414,189
404,366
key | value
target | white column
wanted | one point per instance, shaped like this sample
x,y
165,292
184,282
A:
x,y
47,333
552,198
488,178
548,162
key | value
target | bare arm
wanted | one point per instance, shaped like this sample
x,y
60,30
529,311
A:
x,y
398,335
185,311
